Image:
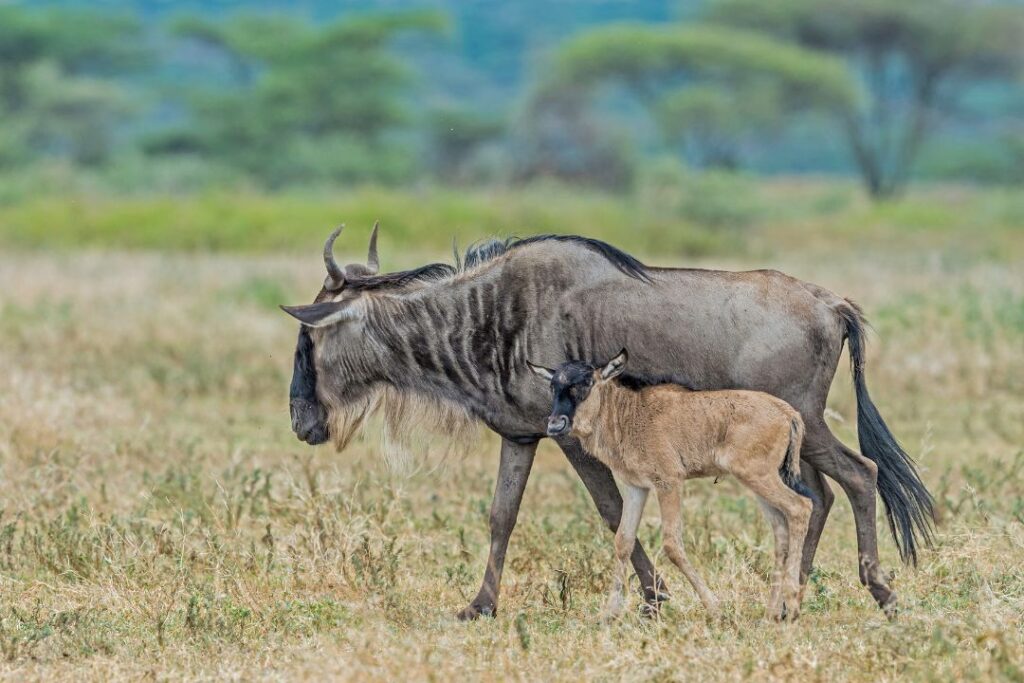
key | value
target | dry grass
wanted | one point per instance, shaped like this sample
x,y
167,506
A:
x,y
159,519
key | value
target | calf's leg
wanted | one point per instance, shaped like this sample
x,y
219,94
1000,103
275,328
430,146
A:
x,y
670,501
625,538
781,533
513,471
798,515
601,486
796,510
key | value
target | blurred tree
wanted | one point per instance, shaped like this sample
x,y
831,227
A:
x,y
707,86
712,123
912,57
456,136
308,102
560,138
57,96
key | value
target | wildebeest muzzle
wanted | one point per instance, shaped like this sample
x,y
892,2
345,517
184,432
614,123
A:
x,y
309,421
558,425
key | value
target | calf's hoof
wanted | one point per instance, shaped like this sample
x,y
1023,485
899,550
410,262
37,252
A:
x,y
713,606
607,618
473,612
613,609
789,611
774,607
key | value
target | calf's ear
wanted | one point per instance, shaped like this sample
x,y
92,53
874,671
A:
x,y
542,372
322,314
615,365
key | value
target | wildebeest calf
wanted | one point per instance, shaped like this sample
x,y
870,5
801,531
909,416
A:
x,y
657,434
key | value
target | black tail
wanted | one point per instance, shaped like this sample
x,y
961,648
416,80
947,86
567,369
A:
x,y
789,470
909,506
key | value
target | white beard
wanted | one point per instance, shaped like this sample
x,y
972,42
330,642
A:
x,y
414,429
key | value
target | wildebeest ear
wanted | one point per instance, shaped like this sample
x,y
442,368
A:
x,y
322,314
542,372
615,365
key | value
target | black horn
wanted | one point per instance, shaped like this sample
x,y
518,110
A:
x,y
335,273
372,262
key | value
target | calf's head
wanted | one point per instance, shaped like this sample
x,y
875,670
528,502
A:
x,y
332,322
571,385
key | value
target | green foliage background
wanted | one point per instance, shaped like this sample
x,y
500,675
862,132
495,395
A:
x,y
145,96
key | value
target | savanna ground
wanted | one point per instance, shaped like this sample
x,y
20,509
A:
x,y
161,521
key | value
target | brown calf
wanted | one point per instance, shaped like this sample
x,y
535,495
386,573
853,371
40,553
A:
x,y
658,434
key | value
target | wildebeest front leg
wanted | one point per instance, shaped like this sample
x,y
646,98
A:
x,y
514,470
601,485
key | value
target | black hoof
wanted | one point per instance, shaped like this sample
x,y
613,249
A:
x,y
891,607
649,610
651,606
474,612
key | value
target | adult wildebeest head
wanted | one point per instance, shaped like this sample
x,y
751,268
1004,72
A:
x,y
309,416
333,405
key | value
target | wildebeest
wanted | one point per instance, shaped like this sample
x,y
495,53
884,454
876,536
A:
x,y
457,338
655,433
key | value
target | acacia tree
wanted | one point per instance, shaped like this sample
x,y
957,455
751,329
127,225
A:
x,y
712,123
58,96
305,101
687,76
912,59
456,135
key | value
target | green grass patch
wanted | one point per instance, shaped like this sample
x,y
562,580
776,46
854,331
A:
x,y
425,219
682,216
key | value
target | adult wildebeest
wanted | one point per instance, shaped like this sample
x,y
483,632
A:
x,y
458,338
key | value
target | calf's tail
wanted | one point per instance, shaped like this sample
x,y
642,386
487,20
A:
x,y
790,468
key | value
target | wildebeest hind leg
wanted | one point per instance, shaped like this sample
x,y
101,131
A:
x,y
601,485
858,476
822,498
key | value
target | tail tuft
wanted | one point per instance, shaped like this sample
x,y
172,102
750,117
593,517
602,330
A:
x,y
909,507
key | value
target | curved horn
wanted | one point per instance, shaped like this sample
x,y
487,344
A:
x,y
335,273
372,262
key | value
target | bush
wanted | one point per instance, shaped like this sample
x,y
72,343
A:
x,y
1000,161
712,199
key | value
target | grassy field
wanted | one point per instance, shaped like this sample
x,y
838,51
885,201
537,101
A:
x,y
724,216
159,520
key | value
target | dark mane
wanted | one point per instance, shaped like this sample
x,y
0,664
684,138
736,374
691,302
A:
x,y
432,271
481,252
488,250
638,382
